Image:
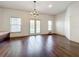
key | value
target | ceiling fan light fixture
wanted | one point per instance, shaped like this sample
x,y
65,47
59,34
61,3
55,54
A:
x,y
35,11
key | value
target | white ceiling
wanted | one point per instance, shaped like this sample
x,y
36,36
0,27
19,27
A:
x,y
42,6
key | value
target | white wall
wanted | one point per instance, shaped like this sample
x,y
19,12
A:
x,y
67,23
25,16
59,22
74,22
62,23
1,19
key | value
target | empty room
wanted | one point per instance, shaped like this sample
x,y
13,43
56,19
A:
x,y
39,28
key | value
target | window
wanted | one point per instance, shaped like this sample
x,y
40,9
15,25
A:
x,y
49,25
15,24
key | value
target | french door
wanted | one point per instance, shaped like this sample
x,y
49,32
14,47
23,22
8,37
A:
x,y
34,27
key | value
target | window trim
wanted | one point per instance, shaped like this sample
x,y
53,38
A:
x,y
16,24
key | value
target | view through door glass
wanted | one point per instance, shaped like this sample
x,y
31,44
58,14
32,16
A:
x,y
37,26
34,26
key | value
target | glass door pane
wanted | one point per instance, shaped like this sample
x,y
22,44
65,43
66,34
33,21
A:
x,y
32,26
37,26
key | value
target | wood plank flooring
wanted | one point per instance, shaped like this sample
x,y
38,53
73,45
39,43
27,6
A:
x,y
39,46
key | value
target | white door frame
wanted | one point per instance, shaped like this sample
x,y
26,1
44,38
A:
x,y
34,28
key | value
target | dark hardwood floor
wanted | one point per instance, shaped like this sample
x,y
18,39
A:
x,y
39,46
